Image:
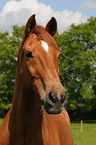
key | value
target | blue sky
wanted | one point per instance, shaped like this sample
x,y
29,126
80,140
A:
x,y
60,5
72,5
66,11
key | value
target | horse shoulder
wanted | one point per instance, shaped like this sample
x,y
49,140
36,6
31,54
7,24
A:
x,y
4,132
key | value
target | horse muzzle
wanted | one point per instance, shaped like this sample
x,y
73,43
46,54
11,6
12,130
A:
x,y
55,101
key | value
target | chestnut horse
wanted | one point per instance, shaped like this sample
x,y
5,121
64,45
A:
x,y
37,84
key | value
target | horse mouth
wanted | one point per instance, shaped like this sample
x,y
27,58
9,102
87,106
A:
x,y
52,111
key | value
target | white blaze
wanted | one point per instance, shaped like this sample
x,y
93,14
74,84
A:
x,y
45,46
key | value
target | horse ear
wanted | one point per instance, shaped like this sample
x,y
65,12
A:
x,y
30,26
51,26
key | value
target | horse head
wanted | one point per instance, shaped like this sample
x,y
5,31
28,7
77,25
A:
x,y
38,65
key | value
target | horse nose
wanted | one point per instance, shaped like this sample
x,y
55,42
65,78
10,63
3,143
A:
x,y
56,101
59,98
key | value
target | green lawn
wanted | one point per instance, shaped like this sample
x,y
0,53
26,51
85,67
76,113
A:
x,y
87,137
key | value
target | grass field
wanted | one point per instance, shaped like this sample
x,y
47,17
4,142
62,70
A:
x,y
87,137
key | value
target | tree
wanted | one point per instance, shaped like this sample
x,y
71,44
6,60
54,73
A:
x,y
78,68
8,61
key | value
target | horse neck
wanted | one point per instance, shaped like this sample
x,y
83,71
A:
x,y
25,117
25,100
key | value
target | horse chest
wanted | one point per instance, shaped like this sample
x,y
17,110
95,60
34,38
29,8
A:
x,y
56,131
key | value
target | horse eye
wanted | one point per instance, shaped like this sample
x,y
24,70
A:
x,y
28,55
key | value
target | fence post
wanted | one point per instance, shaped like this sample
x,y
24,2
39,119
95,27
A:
x,y
81,125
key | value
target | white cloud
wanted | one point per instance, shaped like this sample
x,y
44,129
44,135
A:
x,y
18,13
88,5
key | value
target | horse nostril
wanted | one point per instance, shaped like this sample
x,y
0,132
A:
x,y
52,97
64,98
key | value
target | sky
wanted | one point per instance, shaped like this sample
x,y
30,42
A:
x,y
66,12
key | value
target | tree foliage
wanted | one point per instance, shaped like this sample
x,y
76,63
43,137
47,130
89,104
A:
x,y
8,61
77,69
